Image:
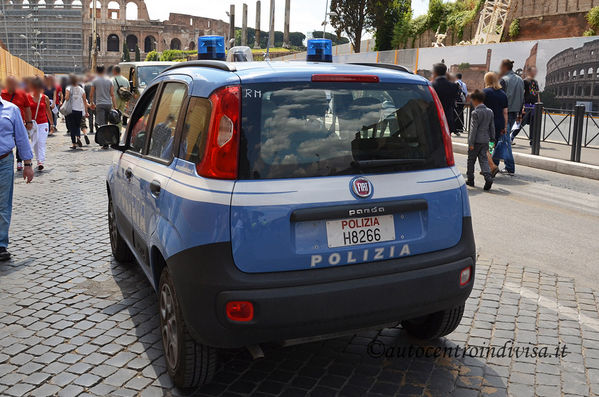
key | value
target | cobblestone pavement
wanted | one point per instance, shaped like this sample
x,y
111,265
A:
x,y
72,321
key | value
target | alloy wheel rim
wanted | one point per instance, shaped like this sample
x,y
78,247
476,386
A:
x,y
168,326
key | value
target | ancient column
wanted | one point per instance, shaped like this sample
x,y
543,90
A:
x,y
271,32
231,26
257,37
286,27
244,25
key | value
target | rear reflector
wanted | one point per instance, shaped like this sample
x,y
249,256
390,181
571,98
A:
x,y
444,128
465,276
240,311
345,78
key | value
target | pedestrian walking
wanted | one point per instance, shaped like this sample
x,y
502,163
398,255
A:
x,y
102,95
496,100
51,93
481,130
514,90
75,94
87,87
42,127
12,93
531,97
462,97
12,133
122,91
447,93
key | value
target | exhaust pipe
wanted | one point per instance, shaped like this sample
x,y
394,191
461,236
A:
x,y
256,351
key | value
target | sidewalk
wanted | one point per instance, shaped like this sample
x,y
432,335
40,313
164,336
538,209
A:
x,y
548,149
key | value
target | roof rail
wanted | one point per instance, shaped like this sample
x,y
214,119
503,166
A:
x,y
221,65
390,66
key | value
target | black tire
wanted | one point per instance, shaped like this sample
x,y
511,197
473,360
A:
x,y
435,325
190,364
120,249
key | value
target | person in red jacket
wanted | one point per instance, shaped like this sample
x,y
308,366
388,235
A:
x,y
43,115
23,101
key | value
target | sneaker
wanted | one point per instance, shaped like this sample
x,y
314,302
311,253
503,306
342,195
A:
x,y
470,183
19,166
4,254
494,172
40,166
488,185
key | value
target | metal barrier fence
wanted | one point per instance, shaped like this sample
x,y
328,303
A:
x,y
577,128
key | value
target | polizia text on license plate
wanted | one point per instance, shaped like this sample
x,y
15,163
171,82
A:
x,y
358,231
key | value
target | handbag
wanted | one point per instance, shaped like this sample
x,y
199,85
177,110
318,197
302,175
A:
x,y
502,148
33,129
67,106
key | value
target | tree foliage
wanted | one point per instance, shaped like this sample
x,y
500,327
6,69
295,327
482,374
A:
x,y
152,56
384,16
317,34
137,54
593,18
126,56
446,17
514,29
350,17
296,39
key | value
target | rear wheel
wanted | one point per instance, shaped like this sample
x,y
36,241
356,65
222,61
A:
x,y
120,250
190,364
435,325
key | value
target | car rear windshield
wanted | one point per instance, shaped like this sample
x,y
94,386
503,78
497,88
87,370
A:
x,y
298,130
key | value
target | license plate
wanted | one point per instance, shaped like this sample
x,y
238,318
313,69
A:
x,y
358,231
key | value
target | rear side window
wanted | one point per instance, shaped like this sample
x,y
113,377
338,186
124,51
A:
x,y
195,130
295,130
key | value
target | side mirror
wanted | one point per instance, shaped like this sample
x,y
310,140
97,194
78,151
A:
x,y
109,135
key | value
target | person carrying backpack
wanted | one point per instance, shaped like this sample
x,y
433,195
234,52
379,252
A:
x,y
121,89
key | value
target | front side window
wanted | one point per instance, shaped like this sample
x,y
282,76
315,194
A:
x,y
165,122
140,122
295,130
146,74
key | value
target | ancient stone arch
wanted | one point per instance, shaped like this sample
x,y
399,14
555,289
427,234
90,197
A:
x,y
150,43
113,43
175,44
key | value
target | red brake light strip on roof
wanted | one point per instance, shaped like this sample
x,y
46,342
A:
x,y
444,128
345,78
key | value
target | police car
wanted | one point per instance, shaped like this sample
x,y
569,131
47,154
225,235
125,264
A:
x,y
273,201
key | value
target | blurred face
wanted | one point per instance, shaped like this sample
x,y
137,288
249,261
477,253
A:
x,y
532,72
11,84
503,70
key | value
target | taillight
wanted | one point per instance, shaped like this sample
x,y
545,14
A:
x,y
444,128
220,159
345,78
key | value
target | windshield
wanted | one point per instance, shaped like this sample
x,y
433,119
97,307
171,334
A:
x,y
295,130
148,73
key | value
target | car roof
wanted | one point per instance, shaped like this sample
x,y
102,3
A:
x,y
218,73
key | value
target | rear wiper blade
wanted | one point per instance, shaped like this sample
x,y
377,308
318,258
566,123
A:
x,y
386,162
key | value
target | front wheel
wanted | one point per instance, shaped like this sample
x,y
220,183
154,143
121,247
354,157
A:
x,y
190,364
435,325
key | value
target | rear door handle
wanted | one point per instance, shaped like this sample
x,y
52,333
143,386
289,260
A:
x,y
155,188
128,173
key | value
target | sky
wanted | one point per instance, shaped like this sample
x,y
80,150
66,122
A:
x,y
306,15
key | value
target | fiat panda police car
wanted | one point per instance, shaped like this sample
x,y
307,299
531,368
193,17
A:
x,y
272,201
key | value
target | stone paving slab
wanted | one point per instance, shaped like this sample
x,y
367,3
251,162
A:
x,y
74,322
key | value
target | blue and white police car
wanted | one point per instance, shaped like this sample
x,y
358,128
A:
x,y
272,201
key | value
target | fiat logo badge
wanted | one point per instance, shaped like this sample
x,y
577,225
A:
x,y
361,187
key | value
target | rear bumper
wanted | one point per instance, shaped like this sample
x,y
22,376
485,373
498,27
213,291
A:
x,y
317,301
